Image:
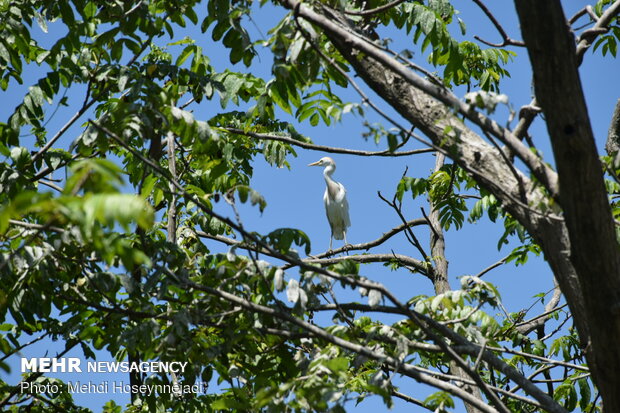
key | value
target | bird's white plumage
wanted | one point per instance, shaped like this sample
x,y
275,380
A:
x,y
337,210
335,200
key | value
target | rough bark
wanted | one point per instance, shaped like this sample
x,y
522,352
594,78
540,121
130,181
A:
x,y
594,248
612,146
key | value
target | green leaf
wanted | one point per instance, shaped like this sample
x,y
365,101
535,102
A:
x,y
462,26
283,238
227,403
187,52
338,364
97,175
123,209
314,119
585,393
280,100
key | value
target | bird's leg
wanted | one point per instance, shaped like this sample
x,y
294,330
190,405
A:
x,y
346,244
330,244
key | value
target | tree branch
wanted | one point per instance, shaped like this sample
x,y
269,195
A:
x,y
353,247
526,327
492,267
367,258
410,399
601,26
506,39
358,307
375,10
329,149
35,226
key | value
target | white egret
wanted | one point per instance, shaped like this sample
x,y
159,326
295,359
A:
x,y
335,199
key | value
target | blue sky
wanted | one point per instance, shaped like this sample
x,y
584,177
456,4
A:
x,y
294,196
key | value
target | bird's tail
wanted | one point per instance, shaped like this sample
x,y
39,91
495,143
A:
x,y
338,233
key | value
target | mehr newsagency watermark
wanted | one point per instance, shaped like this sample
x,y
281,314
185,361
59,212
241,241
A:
x,y
75,365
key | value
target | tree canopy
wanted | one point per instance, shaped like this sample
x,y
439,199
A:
x,y
129,158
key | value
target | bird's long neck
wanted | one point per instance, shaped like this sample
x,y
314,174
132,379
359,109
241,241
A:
x,y
332,186
327,173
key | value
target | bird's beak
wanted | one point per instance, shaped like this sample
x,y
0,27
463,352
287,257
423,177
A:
x,y
314,163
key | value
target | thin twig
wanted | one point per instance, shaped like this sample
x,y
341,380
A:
x,y
507,41
39,227
375,10
410,399
330,149
413,238
491,267
22,346
420,266
353,247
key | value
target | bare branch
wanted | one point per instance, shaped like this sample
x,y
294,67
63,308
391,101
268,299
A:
x,y
526,327
527,114
411,236
492,267
50,185
586,10
353,247
114,310
558,327
409,399
22,346
507,41
35,226
314,147
85,106
358,307
367,258
387,235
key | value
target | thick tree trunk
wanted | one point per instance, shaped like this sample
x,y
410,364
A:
x,y
594,248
